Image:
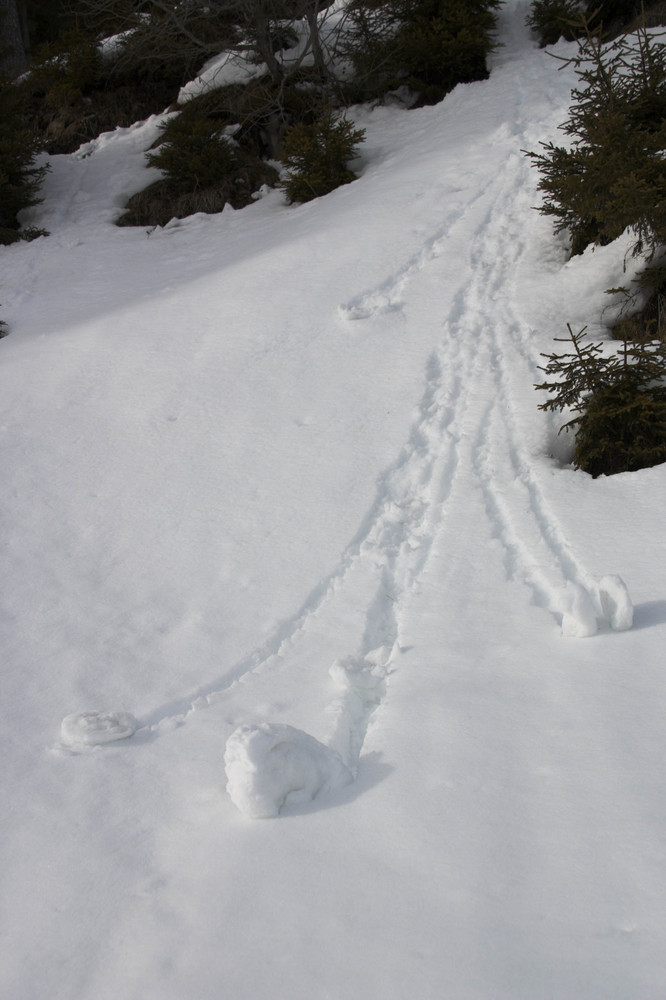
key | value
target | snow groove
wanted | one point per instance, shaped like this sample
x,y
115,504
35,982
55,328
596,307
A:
x,y
388,295
469,416
536,550
390,548
395,547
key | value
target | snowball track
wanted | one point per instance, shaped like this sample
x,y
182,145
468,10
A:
x,y
277,484
471,431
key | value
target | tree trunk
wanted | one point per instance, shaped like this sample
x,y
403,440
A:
x,y
13,55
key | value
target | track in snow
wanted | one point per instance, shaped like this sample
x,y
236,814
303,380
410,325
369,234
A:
x,y
468,431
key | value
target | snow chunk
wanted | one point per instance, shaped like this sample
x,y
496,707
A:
x,y
94,728
362,685
579,619
271,764
616,603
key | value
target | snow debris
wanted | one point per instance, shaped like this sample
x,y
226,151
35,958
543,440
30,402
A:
x,y
94,728
616,603
361,686
270,765
579,619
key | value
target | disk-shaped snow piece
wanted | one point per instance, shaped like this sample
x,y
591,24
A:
x,y
616,603
93,728
579,619
269,765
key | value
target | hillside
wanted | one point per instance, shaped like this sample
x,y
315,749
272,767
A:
x,y
284,466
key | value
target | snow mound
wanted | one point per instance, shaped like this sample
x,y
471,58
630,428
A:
x,y
616,603
269,765
362,686
94,728
579,619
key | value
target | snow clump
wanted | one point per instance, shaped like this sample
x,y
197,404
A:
x,y
578,619
270,765
616,603
94,728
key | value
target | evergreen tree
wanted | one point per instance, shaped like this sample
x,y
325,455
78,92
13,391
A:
x,y
619,402
317,155
20,179
428,45
569,19
554,19
613,175
194,153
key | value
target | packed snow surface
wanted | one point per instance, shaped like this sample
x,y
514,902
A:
x,y
277,489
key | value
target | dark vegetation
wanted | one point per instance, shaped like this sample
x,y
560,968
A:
x,y
317,154
20,179
611,178
428,46
220,148
551,20
619,399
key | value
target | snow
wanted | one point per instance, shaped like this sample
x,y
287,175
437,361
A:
x,y
277,485
95,728
271,765
616,603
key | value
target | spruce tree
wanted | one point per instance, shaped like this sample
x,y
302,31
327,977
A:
x,y
427,45
20,179
619,401
613,174
317,155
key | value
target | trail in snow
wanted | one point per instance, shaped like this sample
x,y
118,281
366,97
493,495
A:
x,y
473,807
470,422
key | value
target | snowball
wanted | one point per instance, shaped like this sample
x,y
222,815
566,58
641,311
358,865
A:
x,y
269,765
616,603
93,728
579,619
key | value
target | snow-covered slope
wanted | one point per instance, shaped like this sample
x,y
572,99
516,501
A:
x,y
277,491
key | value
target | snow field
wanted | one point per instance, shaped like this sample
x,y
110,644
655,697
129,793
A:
x,y
278,485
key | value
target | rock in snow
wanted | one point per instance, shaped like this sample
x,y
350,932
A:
x,y
93,728
616,603
269,765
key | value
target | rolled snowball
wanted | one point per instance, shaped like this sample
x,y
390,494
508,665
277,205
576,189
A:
x,y
616,603
269,765
579,619
93,728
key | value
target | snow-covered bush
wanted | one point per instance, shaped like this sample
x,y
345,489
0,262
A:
x,y
203,172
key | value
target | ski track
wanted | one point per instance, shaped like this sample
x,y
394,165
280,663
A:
x,y
469,417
